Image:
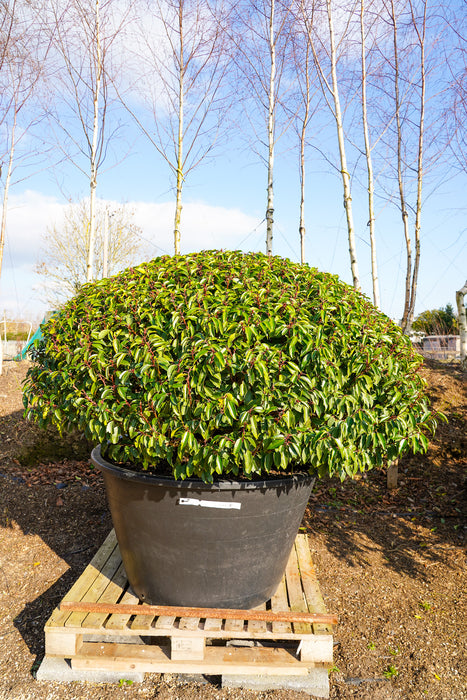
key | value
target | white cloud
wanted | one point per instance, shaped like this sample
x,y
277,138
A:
x,y
29,214
204,226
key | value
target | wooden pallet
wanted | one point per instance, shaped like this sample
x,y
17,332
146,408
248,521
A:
x,y
120,640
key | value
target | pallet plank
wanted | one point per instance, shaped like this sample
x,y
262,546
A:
x,y
212,624
189,623
295,593
314,599
233,626
117,621
81,586
279,601
217,660
112,594
96,586
142,622
165,622
257,627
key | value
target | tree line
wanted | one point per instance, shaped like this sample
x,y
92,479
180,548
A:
x,y
375,89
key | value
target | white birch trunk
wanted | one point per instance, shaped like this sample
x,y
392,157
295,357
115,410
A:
x,y
342,153
6,191
271,115
462,319
403,205
179,173
369,165
418,209
301,228
93,155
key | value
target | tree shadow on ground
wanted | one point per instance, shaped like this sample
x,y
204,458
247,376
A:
x,y
411,527
72,522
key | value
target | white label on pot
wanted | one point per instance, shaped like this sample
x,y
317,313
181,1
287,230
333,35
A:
x,y
209,504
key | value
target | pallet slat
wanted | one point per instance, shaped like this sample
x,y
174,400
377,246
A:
x,y
279,601
188,623
217,660
165,622
234,626
310,584
111,594
143,623
257,627
212,624
96,586
119,621
81,586
297,601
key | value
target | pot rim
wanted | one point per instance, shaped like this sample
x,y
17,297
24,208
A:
x,y
226,485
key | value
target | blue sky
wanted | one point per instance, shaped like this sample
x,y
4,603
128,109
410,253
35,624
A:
x,y
224,204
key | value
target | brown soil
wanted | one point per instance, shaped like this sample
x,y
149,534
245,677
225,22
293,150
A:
x,y
390,564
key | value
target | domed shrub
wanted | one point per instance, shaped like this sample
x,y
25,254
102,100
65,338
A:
x,y
226,363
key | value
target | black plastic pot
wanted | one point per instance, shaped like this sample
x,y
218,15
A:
x,y
194,544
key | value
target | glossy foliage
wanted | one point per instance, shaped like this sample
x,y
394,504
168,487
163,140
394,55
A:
x,y
226,363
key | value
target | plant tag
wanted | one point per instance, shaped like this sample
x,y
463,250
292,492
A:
x,y
227,505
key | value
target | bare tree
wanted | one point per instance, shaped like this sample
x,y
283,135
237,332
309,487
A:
x,y
326,47
22,55
410,62
368,158
20,72
64,257
304,106
181,63
261,32
83,34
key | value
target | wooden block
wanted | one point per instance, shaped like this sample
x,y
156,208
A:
x,y
187,648
317,648
59,643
